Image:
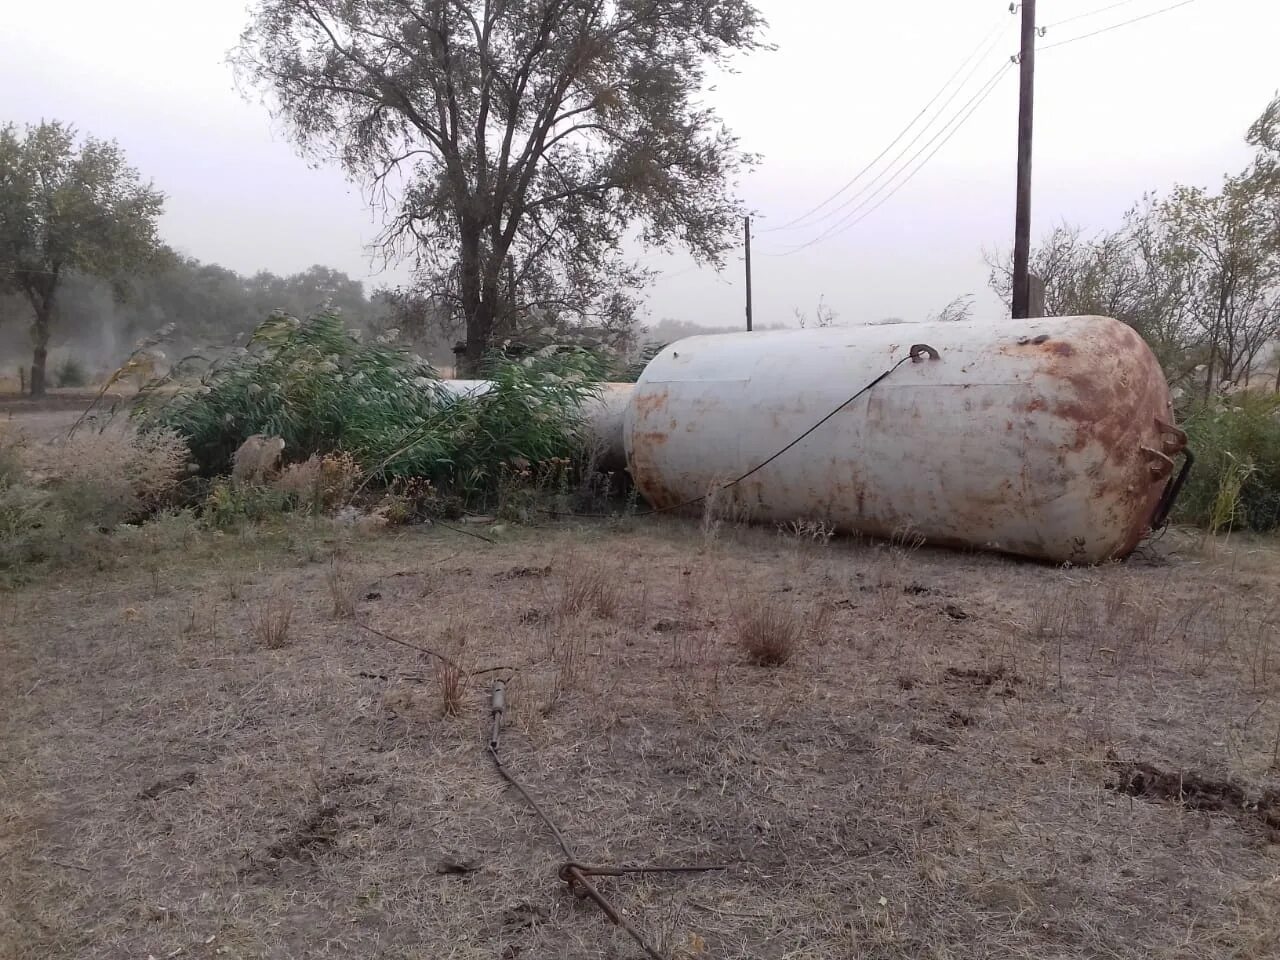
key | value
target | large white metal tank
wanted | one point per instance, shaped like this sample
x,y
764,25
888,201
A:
x,y
1049,438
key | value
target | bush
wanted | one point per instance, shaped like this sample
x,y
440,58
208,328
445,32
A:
x,y
230,504
103,479
1236,479
71,373
325,391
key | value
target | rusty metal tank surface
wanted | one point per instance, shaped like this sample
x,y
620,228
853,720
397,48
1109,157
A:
x,y
1049,438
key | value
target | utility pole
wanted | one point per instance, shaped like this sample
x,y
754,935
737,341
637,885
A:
x,y
746,236
1022,215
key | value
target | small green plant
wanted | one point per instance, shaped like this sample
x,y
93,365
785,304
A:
x,y
1225,506
1236,479
230,504
71,373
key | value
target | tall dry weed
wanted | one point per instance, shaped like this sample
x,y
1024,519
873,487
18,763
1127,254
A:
x,y
452,677
342,591
271,619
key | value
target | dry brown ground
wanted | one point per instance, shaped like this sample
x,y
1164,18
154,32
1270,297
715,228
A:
x,y
928,776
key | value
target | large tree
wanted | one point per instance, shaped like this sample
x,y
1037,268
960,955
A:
x,y
1197,272
1229,243
517,143
68,208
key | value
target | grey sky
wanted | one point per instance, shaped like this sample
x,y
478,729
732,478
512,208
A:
x,y
1161,101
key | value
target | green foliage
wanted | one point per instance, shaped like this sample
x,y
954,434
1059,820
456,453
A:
x,y
1236,479
68,207
71,373
324,390
313,383
230,505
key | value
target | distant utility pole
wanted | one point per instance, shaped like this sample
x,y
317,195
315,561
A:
x,y
746,235
1022,215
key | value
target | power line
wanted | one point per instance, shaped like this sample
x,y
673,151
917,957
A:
x,y
1088,13
981,47
951,128
888,170
1116,26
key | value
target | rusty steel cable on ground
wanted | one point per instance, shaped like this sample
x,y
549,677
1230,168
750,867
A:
x,y
572,871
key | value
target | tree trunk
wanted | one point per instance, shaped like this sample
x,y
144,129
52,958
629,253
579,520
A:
x,y
479,332
476,314
40,339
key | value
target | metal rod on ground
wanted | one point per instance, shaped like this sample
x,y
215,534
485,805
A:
x,y
613,914
572,872
746,235
1021,293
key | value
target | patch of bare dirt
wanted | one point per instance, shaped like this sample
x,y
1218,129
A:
x,y
1195,791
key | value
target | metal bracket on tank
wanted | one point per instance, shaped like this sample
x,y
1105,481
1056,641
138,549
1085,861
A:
x,y
1174,442
1161,464
1171,491
918,349
1178,443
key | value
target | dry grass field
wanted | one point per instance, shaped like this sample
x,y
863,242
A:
x,y
896,751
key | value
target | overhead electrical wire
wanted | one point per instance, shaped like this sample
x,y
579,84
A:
x,y
1088,13
982,46
950,129
888,170
1115,26
851,219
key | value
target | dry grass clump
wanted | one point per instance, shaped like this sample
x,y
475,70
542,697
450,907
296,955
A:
x,y
256,458
769,632
11,462
321,483
589,587
452,683
270,621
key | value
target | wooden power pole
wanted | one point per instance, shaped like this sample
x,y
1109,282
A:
x,y
746,236
1022,215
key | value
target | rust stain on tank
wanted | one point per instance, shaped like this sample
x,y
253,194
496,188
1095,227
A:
x,y
650,403
1077,409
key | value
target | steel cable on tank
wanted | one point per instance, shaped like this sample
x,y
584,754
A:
x,y
914,355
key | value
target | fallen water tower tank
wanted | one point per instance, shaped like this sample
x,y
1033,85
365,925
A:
x,y
1050,438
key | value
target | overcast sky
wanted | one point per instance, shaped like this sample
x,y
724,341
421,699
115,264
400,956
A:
x,y
1161,101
